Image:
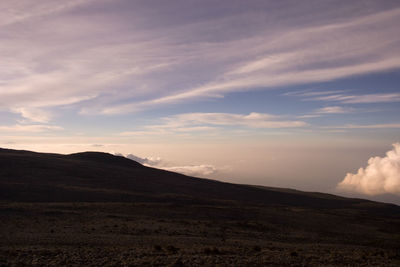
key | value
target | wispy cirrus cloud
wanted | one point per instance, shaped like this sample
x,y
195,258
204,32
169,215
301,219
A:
x,y
24,128
340,96
368,126
330,110
209,122
309,93
113,63
359,99
34,114
288,59
252,120
334,110
21,11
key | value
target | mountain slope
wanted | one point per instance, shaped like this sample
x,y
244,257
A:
x,y
97,177
96,209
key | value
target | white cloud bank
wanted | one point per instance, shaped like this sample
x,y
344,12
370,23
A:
x,y
193,170
201,170
381,176
150,161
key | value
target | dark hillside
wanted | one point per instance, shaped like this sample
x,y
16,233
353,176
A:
x,y
96,209
95,176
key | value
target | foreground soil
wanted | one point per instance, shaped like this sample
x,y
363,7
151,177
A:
x,y
176,234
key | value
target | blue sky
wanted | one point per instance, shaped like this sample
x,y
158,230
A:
x,y
242,91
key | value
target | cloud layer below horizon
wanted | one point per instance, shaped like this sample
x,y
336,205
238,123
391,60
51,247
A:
x,y
202,170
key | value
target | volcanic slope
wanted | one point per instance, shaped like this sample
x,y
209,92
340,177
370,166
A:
x,y
95,176
96,209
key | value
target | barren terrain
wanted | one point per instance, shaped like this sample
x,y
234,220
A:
x,y
95,209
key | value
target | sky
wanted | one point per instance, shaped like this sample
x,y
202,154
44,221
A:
x,y
298,94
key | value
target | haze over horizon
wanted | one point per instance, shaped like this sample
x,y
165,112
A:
x,y
298,94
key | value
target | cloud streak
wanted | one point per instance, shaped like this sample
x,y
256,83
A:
x,y
35,128
206,123
381,176
101,65
13,12
360,99
252,120
333,110
368,126
288,60
34,114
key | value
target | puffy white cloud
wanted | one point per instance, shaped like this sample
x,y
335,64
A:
x,y
382,175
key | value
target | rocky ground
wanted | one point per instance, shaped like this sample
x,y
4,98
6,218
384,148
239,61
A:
x,y
168,234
